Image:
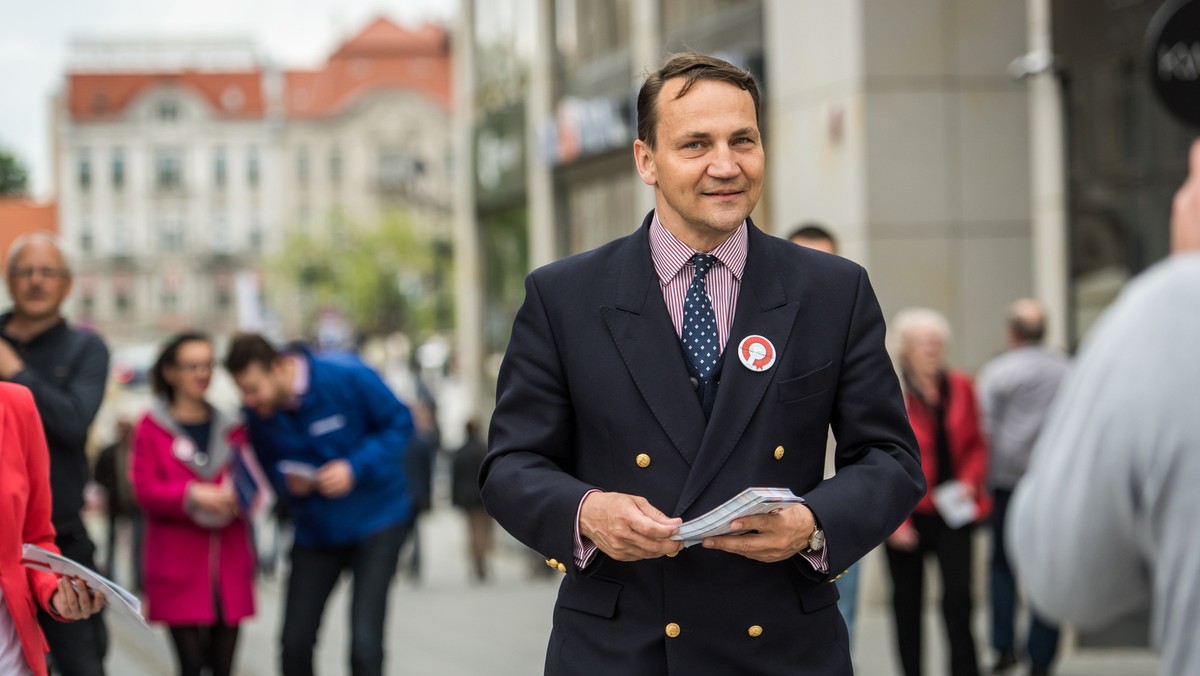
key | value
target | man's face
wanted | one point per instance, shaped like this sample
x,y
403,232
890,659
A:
x,y
263,390
38,281
707,163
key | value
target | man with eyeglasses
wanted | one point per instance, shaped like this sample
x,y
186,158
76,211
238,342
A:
x,y
66,370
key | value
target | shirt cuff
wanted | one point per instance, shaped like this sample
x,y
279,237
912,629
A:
x,y
818,560
585,549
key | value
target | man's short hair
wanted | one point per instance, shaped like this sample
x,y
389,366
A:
x,y
25,240
692,67
249,348
1027,321
812,231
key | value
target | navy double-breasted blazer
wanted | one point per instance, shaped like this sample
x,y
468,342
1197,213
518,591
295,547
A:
x,y
594,376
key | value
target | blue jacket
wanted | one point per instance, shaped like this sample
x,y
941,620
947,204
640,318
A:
x,y
348,412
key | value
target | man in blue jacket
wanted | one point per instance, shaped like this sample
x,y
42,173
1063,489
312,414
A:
x,y
332,436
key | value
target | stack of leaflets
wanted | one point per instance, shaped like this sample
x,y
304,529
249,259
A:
x,y
120,600
747,503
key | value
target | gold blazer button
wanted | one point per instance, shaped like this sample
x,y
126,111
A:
x,y
643,460
672,630
779,452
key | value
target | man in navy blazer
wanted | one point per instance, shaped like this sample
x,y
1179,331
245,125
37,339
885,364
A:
x,y
612,425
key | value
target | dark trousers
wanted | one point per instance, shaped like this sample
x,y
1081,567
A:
x,y
314,572
1043,636
952,547
76,648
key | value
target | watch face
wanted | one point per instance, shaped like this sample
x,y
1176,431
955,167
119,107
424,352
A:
x,y
816,541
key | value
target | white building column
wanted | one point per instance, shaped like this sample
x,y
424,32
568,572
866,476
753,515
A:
x,y
468,285
539,109
1048,190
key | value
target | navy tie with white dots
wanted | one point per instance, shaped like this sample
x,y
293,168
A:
x,y
699,335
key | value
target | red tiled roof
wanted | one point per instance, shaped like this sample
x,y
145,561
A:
x,y
98,96
383,56
20,216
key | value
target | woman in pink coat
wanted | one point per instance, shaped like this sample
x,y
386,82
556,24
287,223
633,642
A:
x,y
199,564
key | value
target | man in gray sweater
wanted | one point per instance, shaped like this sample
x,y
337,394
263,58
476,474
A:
x,y
1015,390
1105,519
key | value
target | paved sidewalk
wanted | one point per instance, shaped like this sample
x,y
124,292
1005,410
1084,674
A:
x,y
448,627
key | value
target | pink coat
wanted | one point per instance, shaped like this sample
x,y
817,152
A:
x,y
179,555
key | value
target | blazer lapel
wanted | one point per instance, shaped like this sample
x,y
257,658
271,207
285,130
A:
x,y
763,310
645,338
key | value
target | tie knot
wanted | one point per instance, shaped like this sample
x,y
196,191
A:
x,y
703,263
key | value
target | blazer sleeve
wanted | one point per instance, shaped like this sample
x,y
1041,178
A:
x,y
37,528
526,479
878,478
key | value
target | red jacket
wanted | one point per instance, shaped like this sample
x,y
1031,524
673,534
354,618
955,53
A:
x,y
24,517
179,554
968,452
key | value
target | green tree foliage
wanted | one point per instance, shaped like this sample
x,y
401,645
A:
x,y
383,278
14,178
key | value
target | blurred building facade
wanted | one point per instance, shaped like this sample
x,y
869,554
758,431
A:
x,y
179,165
967,152
21,216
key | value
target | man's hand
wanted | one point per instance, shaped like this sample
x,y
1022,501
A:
x,y
627,527
10,363
779,535
76,604
905,539
1185,213
297,485
335,479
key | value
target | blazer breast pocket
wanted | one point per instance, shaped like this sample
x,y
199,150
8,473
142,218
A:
x,y
802,387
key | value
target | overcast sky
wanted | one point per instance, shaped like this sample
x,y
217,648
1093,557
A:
x,y
35,38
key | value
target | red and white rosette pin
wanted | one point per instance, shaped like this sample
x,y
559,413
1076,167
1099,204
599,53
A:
x,y
757,353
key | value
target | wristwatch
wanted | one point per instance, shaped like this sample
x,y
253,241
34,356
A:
x,y
816,541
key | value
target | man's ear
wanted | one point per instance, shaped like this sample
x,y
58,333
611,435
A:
x,y
643,155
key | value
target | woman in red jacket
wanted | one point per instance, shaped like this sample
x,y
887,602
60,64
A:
x,y
25,518
198,560
944,417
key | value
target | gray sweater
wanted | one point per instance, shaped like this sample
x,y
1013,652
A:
x,y
1105,519
1015,390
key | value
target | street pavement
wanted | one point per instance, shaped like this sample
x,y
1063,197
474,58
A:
x,y
447,626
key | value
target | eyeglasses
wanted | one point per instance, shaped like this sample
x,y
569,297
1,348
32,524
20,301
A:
x,y
45,272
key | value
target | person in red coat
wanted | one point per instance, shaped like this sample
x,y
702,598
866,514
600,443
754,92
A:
x,y
945,420
25,518
198,558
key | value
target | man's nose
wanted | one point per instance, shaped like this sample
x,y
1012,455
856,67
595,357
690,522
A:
x,y
724,164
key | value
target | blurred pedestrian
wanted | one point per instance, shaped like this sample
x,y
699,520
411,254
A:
x,y
1105,519
25,518
66,369
199,559
817,236
814,236
1015,391
112,473
464,493
418,461
944,416
332,436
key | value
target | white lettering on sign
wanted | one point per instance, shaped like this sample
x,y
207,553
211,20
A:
x,y
1179,62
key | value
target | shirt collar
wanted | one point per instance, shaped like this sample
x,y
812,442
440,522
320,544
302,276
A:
x,y
670,255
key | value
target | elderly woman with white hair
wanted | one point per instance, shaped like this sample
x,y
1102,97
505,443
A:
x,y
945,420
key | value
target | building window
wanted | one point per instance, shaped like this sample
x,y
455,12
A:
x,y
252,169
397,169
168,169
86,241
256,237
118,169
219,167
88,305
169,301
123,302
335,166
224,299
85,169
170,234
220,232
168,111
302,166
